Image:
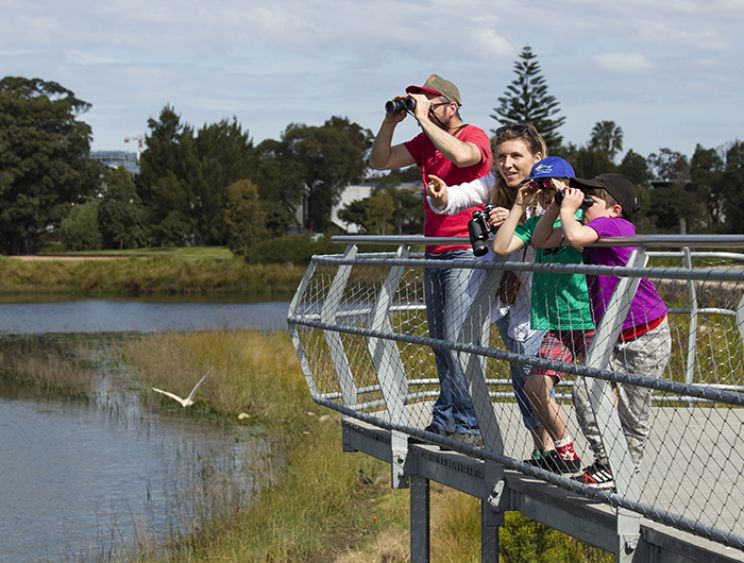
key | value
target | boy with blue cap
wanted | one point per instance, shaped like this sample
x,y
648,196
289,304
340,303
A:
x,y
559,303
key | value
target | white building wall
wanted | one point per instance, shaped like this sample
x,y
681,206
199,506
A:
x,y
351,193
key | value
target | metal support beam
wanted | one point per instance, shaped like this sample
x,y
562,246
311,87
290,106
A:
x,y
491,521
419,519
692,334
304,364
389,367
602,401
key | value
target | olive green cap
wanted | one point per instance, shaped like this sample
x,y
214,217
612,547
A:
x,y
438,86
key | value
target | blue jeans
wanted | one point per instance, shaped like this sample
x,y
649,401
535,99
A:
x,y
447,305
520,372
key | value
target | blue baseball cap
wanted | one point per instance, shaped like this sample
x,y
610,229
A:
x,y
552,167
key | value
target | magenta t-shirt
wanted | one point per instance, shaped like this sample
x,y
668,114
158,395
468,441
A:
x,y
431,161
647,305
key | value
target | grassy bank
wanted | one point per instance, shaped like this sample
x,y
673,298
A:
x,y
314,506
157,273
317,507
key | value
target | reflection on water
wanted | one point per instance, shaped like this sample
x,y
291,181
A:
x,y
83,480
99,315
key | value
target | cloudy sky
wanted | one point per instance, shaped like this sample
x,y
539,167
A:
x,y
669,72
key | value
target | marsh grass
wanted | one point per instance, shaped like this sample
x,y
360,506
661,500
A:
x,y
313,500
52,367
150,275
314,505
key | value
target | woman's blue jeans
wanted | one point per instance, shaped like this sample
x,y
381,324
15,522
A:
x,y
520,372
447,304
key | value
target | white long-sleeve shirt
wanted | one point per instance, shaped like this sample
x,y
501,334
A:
x,y
466,195
477,192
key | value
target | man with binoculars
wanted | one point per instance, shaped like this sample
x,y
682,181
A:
x,y
456,152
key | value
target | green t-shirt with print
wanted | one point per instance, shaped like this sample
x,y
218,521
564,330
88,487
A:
x,y
559,301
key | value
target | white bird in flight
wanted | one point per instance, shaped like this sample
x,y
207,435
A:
x,y
188,401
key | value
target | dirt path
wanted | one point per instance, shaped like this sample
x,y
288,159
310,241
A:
x,y
43,258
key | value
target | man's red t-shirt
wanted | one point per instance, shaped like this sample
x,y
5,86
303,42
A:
x,y
431,161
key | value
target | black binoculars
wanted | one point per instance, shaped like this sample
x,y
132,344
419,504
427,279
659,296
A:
x,y
588,201
478,229
405,104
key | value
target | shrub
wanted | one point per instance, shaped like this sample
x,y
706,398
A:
x,y
80,228
297,249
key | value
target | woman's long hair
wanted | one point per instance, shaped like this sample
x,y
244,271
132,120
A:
x,y
503,195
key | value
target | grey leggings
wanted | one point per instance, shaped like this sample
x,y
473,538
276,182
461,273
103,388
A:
x,y
646,355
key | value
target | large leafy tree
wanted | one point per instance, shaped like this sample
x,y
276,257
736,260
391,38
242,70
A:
x,y
380,212
669,166
706,176
280,180
44,164
168,167
733,181
526,100
244,218
185,175
80,230
404,217
635,168
329,161
121,216
672,199
225,154
586,160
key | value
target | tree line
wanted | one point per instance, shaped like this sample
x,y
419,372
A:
x,y
213,186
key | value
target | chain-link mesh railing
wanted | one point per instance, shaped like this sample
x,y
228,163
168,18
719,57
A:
x,y
667,417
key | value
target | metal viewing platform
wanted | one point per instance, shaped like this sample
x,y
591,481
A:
x,y
358,323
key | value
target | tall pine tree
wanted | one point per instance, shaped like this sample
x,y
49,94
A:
x,y
526,100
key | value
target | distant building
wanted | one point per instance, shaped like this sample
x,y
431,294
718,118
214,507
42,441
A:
x,y
350,193
118,159
353,193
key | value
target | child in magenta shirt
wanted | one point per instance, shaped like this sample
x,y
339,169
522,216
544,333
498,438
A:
x,y
644,345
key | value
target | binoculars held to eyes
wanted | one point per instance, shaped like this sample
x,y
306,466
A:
x,y
405,104
588,201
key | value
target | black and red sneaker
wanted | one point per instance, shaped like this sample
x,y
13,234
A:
x,y
596,475
560,465
552,461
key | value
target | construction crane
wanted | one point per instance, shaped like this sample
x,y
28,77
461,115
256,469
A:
x,y
140,143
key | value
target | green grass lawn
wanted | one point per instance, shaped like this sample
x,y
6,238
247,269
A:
x,y
185,253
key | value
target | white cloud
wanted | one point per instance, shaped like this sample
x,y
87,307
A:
x,y
623,63
82,58
672,33
491,44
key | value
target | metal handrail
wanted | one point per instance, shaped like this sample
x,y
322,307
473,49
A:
x,y
645,241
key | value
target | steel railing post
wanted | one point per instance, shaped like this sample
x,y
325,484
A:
x,y
333,339
389,368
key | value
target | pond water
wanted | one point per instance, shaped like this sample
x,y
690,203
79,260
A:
x,y
107,315
80,481
86,481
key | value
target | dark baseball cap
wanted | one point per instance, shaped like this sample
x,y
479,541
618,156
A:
x,y
617,185
438,86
